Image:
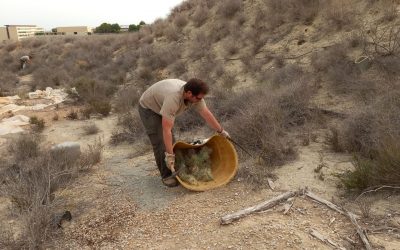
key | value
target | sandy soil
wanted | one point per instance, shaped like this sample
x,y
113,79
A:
x,y
122,203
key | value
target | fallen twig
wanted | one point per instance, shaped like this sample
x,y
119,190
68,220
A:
x,y
325,202
376,189
360,231
271,183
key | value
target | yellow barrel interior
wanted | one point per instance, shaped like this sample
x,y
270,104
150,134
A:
x,y
224,162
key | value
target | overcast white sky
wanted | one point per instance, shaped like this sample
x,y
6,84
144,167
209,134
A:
x,y
54,13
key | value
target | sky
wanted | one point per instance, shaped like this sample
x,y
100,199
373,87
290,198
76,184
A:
x,y
49,14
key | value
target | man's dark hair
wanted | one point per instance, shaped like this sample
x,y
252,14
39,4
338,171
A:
x,y
196,86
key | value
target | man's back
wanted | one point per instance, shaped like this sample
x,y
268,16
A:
x,y
153,98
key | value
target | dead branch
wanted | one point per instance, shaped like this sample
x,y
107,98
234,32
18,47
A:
x,y
271,183
327,241
288,206
325,202
360,231
227,219
375,190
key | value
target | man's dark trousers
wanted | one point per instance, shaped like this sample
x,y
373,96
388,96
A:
x,y
153,124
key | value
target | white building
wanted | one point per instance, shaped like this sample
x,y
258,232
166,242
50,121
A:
x,y
18,32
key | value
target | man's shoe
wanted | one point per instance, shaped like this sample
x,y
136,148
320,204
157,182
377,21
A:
x,y
170,182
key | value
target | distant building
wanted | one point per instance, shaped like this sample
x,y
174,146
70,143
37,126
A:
x,y
74,30
124,28
18,32
3,34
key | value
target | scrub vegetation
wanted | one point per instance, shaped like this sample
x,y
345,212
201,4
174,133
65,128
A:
x,y
277,70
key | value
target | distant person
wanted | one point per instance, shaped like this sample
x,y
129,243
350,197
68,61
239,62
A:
x,y
158,107
24,60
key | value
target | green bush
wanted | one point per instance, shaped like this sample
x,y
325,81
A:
x,y
38,124
383,169
101,106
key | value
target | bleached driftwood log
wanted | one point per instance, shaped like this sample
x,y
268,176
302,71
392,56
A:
x,y
327,241
227,219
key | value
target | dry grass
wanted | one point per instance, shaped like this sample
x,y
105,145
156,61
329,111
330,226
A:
x,y
265,116
37,123
91,129
200,15
228,8
339,14
130,129
31,179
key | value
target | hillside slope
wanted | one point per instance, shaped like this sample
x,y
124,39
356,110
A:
x,y
311,88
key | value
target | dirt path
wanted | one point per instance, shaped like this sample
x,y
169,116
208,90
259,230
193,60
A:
x,y
122,203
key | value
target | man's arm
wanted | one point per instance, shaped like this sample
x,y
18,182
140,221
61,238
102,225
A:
x,y
210,119
167,125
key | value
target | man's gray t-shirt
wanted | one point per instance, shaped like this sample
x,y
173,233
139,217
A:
x,y
166,98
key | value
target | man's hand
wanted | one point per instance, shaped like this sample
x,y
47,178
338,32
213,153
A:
x,y
224,133
170,160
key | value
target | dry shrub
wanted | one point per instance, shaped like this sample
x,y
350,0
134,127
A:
x,y
343,75
223,103
38,124
180,20
91,129
199,46
92,155
365,205
188,121
228,79
11,46
218,31
126,98
360,133
333,139
100,106
254,175
384,169
228,8
389,67
261,122
25,147
178,68
72,115
158,27
279,12
389,8
208,68
38,226
231,47
130,129
153,57
339,14
382,40
172,33
8,81
145,35
372,135
31,182
287,75
200,15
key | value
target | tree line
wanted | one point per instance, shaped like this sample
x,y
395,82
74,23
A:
x,y
115,28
